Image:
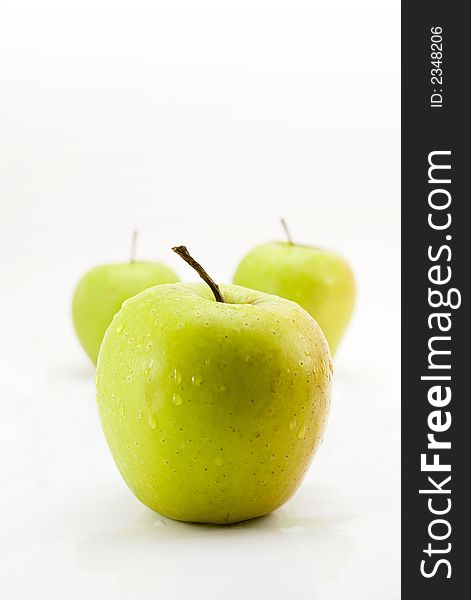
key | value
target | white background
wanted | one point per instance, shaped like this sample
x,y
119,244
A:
x,y
197,122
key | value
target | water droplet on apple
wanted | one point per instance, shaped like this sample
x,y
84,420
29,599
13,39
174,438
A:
x,y
120,328
197,380
219,461
177,399
207,362
222,388
153,421
139,415
302,433
292,425
177,376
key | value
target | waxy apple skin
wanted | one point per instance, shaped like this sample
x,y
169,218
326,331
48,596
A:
x,y
213,411
319,280
101,292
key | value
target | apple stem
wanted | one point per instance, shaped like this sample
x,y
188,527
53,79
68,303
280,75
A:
x,y
183,253
287,233
132,257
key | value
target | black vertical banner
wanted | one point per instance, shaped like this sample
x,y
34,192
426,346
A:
x,y
436,331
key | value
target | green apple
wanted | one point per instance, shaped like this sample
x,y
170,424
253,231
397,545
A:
x,y
317,279
101,292
213,406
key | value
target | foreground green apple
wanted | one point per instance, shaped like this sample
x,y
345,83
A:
x,y
213,409
101,292
319,280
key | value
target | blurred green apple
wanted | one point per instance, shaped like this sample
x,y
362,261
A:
x,y
213,400
317,279
101,292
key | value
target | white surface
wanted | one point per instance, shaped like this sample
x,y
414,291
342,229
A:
x,y
198,123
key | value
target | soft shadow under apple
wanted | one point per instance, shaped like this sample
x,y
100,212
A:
x,y
307,531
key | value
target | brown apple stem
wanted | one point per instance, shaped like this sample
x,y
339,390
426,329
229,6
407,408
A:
x,y
183,253
132,257
289,239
